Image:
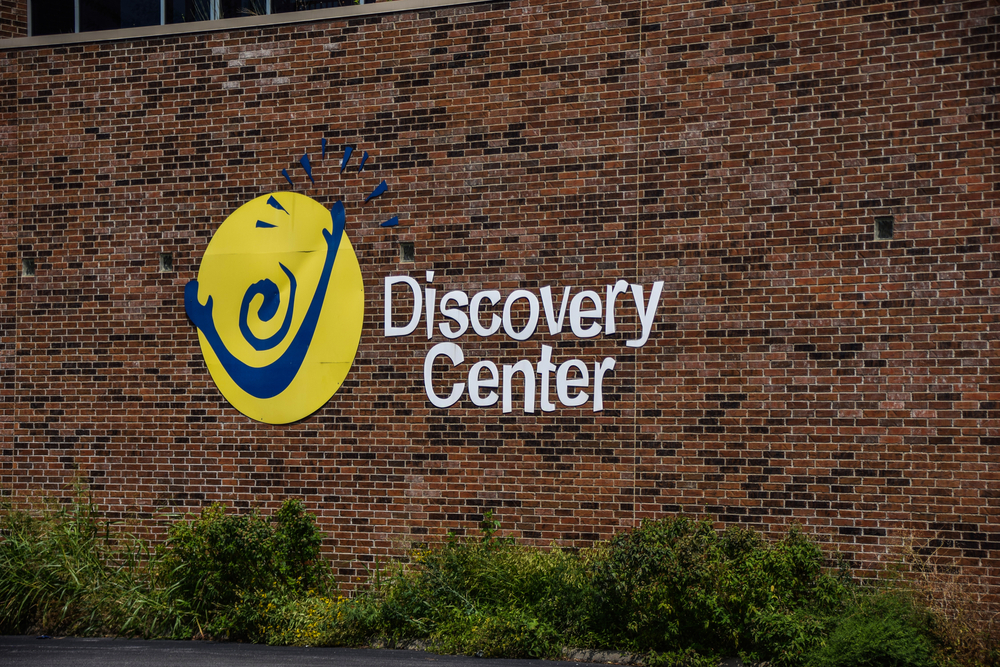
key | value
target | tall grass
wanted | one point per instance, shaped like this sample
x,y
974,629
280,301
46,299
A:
x,y
967,625
70,572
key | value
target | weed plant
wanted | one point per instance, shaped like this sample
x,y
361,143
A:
x,y
675,590
965,625
879,629
219,575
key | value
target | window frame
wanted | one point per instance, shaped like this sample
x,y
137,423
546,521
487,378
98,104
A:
x,y
371,8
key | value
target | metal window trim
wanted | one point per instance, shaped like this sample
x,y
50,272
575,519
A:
x,y
242,23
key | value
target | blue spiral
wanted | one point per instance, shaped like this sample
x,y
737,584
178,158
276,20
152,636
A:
x,y
272,299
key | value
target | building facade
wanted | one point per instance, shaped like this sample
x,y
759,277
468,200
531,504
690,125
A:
x,y
778,219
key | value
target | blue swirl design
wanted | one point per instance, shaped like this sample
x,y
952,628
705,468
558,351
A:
x,y
269,381
272,299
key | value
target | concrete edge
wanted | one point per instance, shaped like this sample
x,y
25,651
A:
x,y
597,655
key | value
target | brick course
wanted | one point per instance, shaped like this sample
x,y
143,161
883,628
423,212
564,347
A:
x,y
800,370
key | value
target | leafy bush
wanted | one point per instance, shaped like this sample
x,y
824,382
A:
x,y
880,631
676,590
71,572
229,568
492,597
673,585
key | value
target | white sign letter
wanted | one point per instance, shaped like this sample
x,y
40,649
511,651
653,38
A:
x,y
453,352
462,299
545,368
646,313
475,382
390,330
492,296
555,326
599,370
619,287
523,366
575,314
529,328
563,382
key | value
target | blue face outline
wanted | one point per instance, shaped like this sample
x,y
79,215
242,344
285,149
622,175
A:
x,y
271,380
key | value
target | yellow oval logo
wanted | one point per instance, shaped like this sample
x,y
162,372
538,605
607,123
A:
x,y
279,305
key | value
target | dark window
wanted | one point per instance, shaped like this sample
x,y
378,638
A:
x,y
185,11
116,14
137,13
100,15
883,227
283,6
53,17
232,9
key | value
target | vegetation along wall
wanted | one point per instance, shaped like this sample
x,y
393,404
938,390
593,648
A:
x,y
725,259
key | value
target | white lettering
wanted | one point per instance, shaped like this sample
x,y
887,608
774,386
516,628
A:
x,y
453,352
599,370
458,316
576,314
545,368
489,295
410,327
646,314
523,366
431,308
555,326
619,287
475,382
529,328
564,382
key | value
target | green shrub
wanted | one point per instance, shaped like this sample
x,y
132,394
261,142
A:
x,y
878,631
228,567
675,584
489,597
685,658
676,590
282,619
509,632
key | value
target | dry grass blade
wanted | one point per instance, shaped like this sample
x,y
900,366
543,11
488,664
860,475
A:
x,y
965,610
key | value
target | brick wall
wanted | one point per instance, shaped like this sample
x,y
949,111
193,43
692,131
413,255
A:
x,y
13,19
799,370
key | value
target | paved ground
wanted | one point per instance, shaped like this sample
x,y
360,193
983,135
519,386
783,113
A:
x,y
64,652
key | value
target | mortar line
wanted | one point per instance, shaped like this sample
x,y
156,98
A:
x,y
635,364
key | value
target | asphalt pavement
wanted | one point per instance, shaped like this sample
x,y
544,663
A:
x,y
66,651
